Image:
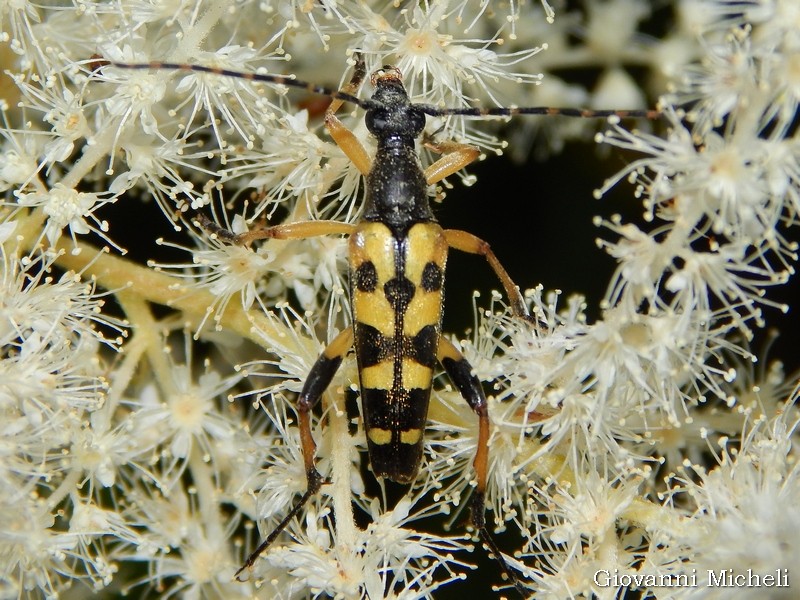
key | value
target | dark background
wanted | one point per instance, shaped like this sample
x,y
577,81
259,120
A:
x,y
538,219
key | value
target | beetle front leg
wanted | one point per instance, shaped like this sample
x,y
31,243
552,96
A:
x,y
319,378
456,157
344,138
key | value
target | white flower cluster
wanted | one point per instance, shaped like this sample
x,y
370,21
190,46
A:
x,y
148,366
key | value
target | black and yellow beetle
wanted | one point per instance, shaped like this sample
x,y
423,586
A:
x,y
397,257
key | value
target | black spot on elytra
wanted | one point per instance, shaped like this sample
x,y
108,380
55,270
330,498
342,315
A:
x,y
432,277
399,292
366,277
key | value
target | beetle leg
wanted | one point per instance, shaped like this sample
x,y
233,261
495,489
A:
x,y
343,137
296,231
287,231
319,378
359,73
456,157
469,386
466,242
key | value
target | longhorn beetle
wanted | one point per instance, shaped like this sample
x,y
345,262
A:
x,y
397,256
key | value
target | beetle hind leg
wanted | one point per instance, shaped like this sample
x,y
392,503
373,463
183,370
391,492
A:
x,y
469,386
318,380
